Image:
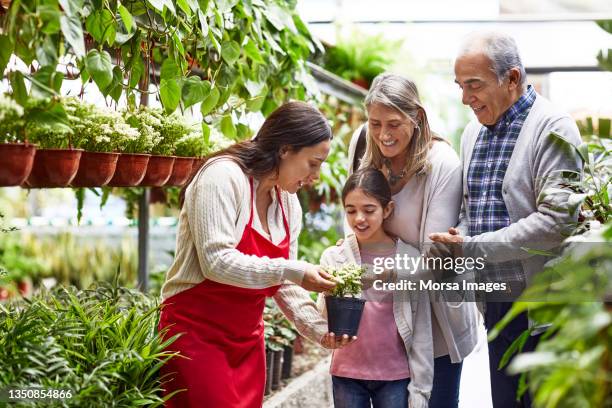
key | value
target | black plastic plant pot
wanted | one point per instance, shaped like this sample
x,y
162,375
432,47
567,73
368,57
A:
x,y
344,315
277,368
269,370
287,362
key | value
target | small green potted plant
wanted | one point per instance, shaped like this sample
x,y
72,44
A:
x,y
164,131
190,148
134,146
97,131
344,308
16,155
48,126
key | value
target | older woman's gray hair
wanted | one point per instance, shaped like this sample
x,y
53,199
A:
x,y
501,50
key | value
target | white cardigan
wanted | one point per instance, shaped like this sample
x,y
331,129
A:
x,y
412,313
216,211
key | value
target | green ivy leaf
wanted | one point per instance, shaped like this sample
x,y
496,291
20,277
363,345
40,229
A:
x,y
210,101
170,94
20,92
6,49
99,66
205,132
115,89
169,70
50,17
126,17
280,18
227,127
251,50
101,26
230,51
136,71
46,82
46,54
73,33
194,90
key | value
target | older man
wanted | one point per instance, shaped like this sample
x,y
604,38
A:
x,y
513,196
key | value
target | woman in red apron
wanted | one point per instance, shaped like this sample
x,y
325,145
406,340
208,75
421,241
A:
x,y
219,315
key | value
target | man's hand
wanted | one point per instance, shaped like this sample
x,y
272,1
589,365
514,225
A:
x,y
330,341
317,280
446,244
450,237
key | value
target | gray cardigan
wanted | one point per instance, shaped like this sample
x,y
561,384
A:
x,y
412,313
536,201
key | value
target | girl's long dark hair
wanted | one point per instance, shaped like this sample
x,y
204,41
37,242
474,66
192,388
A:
x,y
373,183
293,125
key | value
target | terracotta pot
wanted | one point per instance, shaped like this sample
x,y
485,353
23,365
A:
x,y
130,170
197,164
181,171
158,171
54,168
96,169
16,160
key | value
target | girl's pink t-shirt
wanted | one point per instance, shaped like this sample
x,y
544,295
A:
x,y
379,352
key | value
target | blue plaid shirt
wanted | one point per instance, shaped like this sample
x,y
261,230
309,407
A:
x,y
485,204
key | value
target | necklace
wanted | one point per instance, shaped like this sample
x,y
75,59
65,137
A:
x,y
393,178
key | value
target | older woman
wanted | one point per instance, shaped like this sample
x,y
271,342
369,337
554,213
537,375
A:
x,y
425,177
237,244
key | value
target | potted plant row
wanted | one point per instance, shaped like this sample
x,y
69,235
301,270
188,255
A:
x,y
279,336
97,147
344,306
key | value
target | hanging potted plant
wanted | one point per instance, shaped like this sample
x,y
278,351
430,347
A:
x,y
134,145
16,155
164,131
344,308
97,131
189,151
56,161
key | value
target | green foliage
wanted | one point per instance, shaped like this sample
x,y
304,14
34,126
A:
x,y
361,58
348,278
98,129
231,57
159,132
572,364
192,145
604,57
278,331
68,259
11,120
100,343
47,124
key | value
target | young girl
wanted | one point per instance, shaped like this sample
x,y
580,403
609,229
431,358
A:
x,y
391,363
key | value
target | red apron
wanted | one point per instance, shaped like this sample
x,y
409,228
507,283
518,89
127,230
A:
x,y
223,335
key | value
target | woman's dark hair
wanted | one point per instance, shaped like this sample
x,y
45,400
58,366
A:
x,y
294,125
372,182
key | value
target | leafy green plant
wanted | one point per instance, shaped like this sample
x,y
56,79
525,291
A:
x,y
11,120
572,364
278,331
360,58
160,131
100,343
228,57
98,129
192,145
348,278
47,124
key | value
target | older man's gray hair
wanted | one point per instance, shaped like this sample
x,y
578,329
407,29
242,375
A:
x,y
500,48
